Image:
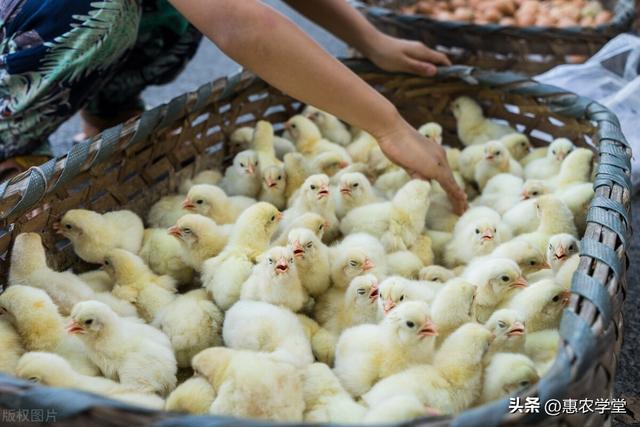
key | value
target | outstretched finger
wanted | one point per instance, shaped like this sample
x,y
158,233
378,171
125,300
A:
x,y
457,196
421,52
421,68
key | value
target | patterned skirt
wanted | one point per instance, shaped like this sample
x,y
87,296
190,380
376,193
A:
x,y
57,56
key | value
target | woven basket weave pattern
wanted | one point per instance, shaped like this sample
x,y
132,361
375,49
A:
x,y
133,165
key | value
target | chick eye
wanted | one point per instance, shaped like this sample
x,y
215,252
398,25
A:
x,y
437,279
401,297
523,143
279,177
241,164
501,324
273,218
572,247
498,152
34,379
353,263
410,324
361,291
532,262
535,193
553,152
313,187
187,230
477,231
68,226
107,262
505,278
556,298
256,163
290,260
270,261
88,321
200,201
321,227
524,384
294,125
356,184
550,247
309,245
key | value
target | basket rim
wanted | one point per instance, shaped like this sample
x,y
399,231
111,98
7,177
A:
x,y
622,21
575,330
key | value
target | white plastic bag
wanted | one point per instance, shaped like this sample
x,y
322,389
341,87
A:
x,y
612,77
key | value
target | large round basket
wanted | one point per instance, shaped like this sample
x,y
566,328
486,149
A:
x,y
132,165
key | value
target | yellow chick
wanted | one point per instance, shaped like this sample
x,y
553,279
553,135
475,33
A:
x,y
310,221
29,268
243,136
314,196
432,131
451,384
576,168
578,198
523,217
295,168
54,371
563,256
555,218
440,215
508,326
308,138
397,409
496,160
396,289
41,328
478,232
358,305
527,256
137,355
212,202
93,235
404,263
12,347
200,238
251,385
361,147
275,280
311,260
439,242
323,342
326,401
436,273
330,126
166,211
472,126
389,183
517,144
98,280
501,193
242,178
540,305
165,255
506,375
549,166
329,163
357,254
365,354
224,274
542,347
263,144
264,327
354,190
211,177
494,279
194,396
453,306
397,223
274,185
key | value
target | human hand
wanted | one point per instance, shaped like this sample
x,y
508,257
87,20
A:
x,y
423,159
394,54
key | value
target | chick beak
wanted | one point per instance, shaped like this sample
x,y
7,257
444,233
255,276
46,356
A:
x,y
345,190
282,267
74,328
57,228
388,305
487,235
368,265
560,157
323,192
560,254
544,265
270,183
175,231
373,293
525,195
343,164
489,156
520,282
517,329
188,205
251,169
279,216
566,295
287,126
429,329
298,250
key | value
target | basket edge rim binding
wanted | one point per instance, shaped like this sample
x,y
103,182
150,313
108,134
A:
x,y
567,104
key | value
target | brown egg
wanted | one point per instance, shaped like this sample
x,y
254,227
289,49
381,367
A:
x,y
570,11
532,5
525,20
425,7
508,21
443,5
455,4
443,15
576,59
463,14
603,17
492,14
587,21
544,21
566,21
506,7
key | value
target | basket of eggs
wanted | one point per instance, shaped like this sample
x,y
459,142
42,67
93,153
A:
x,y
234,255
527,36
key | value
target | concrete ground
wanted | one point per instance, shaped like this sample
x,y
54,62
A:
x,y
210,64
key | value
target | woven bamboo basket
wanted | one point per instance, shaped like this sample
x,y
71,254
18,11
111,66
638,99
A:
x,y
132,165
530,50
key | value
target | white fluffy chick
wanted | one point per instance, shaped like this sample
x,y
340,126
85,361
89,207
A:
x,y
578,198
312,260
275,280
541,305
555,218
311,221
242,178
224,274
330,163
259,326
41,328
251,385
563,256
308,138
507,374
440,215
326,401
166,211
54,371
12,347
211,177
508,326
395,290
194,396
496,160
472,126
330,126
366,354
357,254
436,273
314,196
390,182
200,238
211,201
501,193
527,256
243,136
29,268
323,342
404,263
263,144
523,216
432,131
453,306
451,384
93,235
296,169
397,409
517,144
542,348
165,255
576,168
359,305
354,190
398,222
494,280
98,280
274,185
137,355
478,232
550,165
361,147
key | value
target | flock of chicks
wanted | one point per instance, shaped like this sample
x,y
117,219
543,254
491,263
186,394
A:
x,y
366,300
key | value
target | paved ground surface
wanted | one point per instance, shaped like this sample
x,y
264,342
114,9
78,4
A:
x,y
210,63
